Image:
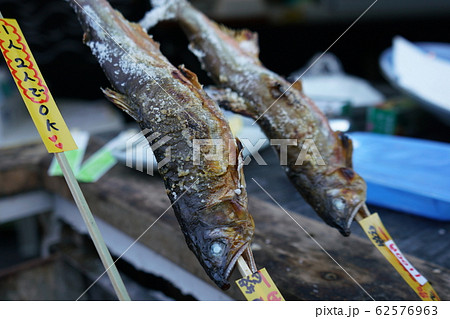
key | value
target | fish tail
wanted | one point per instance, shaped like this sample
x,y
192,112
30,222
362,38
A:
x,y
162,10
95,15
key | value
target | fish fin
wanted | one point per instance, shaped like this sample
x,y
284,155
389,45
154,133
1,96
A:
x,y
247,40
347,145
191,76
86,38
230,100
240,147
240,161
161,11
297,85
122,102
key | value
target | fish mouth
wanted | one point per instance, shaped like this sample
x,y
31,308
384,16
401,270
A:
x,y
246,252
346,230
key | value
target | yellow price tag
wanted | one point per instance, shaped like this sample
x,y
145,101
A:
x,y
377,233
259,287
34,91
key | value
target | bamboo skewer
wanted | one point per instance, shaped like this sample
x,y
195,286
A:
x,y
244,269
362,213
91,225
86,214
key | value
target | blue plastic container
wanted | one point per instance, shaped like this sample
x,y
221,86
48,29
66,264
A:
x,y
405,174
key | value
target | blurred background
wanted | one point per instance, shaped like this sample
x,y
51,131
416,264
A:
x,y
292,33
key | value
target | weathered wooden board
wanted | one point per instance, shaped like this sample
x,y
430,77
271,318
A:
x,y
52,278
133,201
302,270
19,170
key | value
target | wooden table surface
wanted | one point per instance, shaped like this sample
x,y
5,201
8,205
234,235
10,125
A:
x,y
131,201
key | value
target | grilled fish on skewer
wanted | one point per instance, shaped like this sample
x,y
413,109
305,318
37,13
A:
x,y
282,110
208,197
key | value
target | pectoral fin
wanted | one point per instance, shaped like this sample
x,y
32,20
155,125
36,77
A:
x,y
297,85
240,156
230,100
347,145
123,103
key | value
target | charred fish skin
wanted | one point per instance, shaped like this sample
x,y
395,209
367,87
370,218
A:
x,y
209,198
335,190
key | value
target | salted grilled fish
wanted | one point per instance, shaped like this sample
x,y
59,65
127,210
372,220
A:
x,y
334,190
208,194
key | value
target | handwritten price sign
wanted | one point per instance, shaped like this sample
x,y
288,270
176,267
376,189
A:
x,y
380,237
259,287
34,91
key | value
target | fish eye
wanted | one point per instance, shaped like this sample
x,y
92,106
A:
x,y
339,203
217,249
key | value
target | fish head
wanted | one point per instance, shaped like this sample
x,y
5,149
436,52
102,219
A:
x,y
342,197
221,235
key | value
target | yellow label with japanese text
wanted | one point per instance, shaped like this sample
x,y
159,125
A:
x,y
35,93
259,287
377,233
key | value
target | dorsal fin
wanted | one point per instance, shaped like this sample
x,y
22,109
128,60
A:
x,y
247,40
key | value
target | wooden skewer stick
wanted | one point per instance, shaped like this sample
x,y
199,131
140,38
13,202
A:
x,y
244,269
94,232
89,220
362,213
